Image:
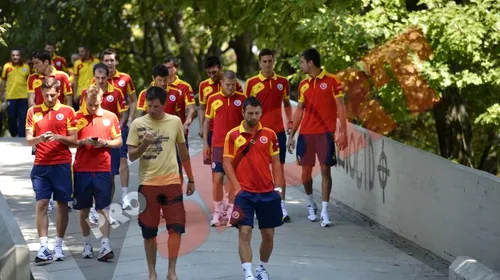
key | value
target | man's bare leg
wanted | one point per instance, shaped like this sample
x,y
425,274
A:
x,y
217,195
326,190
307,180
150,247
174,243
245,249
286,218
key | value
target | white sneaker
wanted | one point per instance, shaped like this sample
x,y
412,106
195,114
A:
x,y
215,219
88,251
105,254
58,253
312,210
261,273
93,216
52,205
126,202
43,255
325,220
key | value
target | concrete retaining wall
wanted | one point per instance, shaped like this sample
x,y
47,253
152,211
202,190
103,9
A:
x,y
14,252
449,209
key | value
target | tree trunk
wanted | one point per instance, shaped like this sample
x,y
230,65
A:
x,y
187,61
245,60
453,127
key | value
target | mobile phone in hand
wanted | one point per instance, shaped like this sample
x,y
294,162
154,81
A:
x,y
94,139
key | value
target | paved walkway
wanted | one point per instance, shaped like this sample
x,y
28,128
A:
x,y
353,249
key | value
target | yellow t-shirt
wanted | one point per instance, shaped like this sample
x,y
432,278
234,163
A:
x,y
158,165
16,77
85,73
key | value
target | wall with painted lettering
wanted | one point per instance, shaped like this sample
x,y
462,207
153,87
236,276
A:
x,y
444,207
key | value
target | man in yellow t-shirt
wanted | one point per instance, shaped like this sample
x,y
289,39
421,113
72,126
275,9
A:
x,y
82,73
153,139
14,81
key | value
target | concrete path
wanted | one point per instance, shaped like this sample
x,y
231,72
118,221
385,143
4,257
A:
x,y
352,249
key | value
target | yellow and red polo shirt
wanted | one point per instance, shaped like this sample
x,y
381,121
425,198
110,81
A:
x,y
257,159
16,77
271,92
123,82
172,104
187,96
209,87
225,113
320,109
85,73
35,82
104,125
113,100
59,120
59,63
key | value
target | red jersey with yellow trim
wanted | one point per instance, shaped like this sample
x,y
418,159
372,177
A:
x,y
320,109
257,159
171,105
59,120
209,87
59,63
271,92
113,100
35,82
187,96
122,81
104,125
225,113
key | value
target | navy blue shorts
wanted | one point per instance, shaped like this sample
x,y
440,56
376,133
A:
x,y
267,207
56,179
179,158
217,154
311,145
282,144
115,160
124,147
90,186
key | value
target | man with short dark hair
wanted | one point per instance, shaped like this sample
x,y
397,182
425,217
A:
x,y
42,62
224,111
153,139
122,81
59,62
251,146
50,127
82,73
14,81
273,92
320,105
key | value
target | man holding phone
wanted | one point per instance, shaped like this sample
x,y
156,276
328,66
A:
x,y
98,132
49,127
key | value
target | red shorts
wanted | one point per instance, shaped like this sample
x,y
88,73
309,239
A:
x,y
167,198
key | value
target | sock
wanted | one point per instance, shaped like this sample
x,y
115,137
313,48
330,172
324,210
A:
x,y
217,206
105,241
283,209
124,190
261,265
324,207
44,241
310,199
86,239
59,241
247,268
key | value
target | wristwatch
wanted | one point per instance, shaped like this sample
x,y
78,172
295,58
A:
x,y
191,182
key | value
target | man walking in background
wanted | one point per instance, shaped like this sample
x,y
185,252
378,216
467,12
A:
x,y
82,73
320,105
14,81
273,91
